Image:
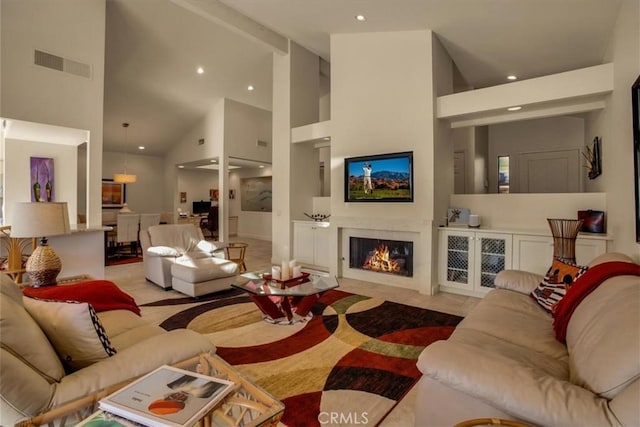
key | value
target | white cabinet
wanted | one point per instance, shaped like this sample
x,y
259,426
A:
x,y
534,252
470,260
311,244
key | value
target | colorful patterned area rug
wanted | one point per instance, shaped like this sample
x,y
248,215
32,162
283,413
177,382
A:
x,y
353,361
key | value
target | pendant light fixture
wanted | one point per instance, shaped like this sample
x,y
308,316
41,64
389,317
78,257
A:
x,y
125,178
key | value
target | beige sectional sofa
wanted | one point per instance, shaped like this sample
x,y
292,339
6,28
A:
x,y
33,379
503,360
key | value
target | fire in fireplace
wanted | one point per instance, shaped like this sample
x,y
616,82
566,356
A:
x,y
383,256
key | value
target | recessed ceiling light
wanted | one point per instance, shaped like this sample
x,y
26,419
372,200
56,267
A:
x,y
250,88
200,70
214,161
514,108
327,138
361,18
512,77
180,166
141,147
261,166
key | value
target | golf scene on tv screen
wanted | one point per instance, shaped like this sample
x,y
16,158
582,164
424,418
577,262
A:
x,y
379,178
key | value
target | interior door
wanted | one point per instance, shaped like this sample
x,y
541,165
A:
x,y
549,172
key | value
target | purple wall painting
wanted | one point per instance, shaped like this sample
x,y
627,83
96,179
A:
x,y
42,188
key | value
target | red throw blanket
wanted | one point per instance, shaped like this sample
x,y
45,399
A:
x,y
583,286
103,295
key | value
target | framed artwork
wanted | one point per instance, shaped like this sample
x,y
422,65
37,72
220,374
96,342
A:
x,y
114,194
214,194
183,197
42,184
458,217
256,194
232,194
593,158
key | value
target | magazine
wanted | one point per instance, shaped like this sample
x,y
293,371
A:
x,y
167,397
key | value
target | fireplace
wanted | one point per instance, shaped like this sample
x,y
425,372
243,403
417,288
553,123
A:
x,y
381,255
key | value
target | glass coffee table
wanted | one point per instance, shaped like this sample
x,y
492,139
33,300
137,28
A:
x,y
285,302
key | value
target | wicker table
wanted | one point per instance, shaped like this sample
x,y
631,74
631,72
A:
x,y
247,406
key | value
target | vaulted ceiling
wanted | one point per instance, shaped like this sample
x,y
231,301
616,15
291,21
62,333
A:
x,y
153,48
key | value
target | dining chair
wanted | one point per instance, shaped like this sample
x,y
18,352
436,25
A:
x,y
127,227
147,220
210,223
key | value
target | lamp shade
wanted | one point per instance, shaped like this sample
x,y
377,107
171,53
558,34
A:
x,y
124,178
32,219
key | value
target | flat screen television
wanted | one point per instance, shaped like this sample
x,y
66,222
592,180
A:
x,y
379,178
201,207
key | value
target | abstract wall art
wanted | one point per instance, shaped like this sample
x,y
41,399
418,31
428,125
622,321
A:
x,y
42,183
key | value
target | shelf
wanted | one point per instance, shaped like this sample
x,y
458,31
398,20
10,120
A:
x,y
315,132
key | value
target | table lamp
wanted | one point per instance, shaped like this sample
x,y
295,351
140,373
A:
x,y
41,220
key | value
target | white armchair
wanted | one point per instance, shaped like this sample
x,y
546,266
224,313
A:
x,y
164,245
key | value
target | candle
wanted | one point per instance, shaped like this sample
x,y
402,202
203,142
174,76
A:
x,y
296,271
284,272
275,272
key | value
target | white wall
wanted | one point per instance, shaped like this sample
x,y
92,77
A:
x,y
305,84
281,247
304,167
230,129
480,160
614,125
197,184
41,95
145,195
443,180
187,149
244,125
463,140
324,113
257,225
528,211
382,101
532,136
18,173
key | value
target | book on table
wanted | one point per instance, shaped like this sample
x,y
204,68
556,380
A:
x,y
167,397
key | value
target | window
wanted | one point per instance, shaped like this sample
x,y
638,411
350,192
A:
x,y
503,174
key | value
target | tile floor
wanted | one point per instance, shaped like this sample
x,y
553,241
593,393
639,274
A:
x,y
258,257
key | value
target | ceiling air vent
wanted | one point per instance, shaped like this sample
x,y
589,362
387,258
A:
x,y
59,63
262,143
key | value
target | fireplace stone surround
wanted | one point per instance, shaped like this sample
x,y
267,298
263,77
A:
x,y
419,233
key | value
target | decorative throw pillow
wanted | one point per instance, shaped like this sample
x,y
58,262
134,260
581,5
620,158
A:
x,y
556,282
73,329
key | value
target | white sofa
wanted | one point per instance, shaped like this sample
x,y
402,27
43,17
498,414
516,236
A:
x,y
165,245
504,361
34,380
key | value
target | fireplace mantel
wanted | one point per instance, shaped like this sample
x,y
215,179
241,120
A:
x,y
387,224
